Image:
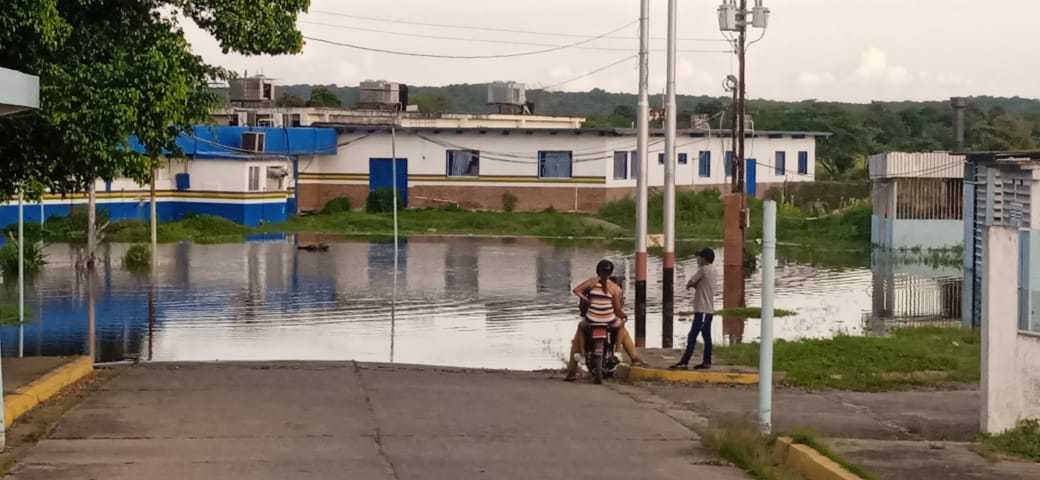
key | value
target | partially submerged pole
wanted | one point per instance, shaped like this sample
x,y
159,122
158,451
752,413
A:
x,y
643,142
154,267
765,361
21,273
393,170
668,282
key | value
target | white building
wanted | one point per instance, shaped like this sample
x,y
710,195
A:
x,y
566,169
1002,282
918,199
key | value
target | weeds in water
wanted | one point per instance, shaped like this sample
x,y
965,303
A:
x,y
1022,441
9,315
33,254
138,256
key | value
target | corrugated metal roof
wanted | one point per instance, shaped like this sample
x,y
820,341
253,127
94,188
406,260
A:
x,y
916,165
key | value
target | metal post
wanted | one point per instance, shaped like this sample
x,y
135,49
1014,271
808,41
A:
x,y
765,362
641,181
393,170
668,282
153,271
21,273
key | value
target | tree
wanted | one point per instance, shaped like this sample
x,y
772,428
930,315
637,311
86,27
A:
x,y
432,103
323,97
112,69
292,100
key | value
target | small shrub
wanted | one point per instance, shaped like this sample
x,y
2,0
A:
x,y
138,256
381,201
508,201
336,205
550,209
34,258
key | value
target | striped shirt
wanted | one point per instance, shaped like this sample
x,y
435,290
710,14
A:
x,y
601,305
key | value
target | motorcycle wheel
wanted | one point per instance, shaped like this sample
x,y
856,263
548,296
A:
x,y
597,364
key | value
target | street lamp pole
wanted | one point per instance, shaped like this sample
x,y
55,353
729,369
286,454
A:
x,y
642,188
734,16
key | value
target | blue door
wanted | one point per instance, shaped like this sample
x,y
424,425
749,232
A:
x,y
751,167
381,174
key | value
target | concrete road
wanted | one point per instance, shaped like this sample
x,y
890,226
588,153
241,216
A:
x,y
349,421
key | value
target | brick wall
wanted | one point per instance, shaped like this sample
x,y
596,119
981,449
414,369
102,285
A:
x,y
313,196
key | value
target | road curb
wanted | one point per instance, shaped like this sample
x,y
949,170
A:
x,y
808,462
28,396
689,376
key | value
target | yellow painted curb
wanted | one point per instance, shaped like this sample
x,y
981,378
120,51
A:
x,y
808,462
690,376
28,396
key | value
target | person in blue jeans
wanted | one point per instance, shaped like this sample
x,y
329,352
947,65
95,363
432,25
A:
x,y
703,309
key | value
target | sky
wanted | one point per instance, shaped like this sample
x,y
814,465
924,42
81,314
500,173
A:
x,y
836,50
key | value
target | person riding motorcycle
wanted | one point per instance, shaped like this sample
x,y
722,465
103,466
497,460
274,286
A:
x,y
602,301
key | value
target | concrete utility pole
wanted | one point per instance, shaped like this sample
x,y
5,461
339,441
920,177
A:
x,y
735,17
641,183
668,282
765,360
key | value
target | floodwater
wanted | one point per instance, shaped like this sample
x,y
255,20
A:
x,y
489,303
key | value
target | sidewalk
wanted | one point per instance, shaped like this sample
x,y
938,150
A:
x,y
909,435
30,381
344,420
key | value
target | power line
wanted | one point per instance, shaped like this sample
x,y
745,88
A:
x,y
473,57
495,29
587,74
485,40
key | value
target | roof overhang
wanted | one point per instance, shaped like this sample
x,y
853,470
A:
x,y
18,91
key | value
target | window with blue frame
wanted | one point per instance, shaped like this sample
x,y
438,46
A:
x,y
463,163
683,159
555,164
780,164
633,164
729,163
620,165
704,164
803,163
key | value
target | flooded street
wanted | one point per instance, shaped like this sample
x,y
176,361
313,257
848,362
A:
x,y
491,303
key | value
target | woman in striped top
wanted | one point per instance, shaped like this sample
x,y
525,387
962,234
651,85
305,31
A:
x,y
602,302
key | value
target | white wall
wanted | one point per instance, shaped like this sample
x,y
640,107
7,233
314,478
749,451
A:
x,y
205,175
927,233
516,154
1010,360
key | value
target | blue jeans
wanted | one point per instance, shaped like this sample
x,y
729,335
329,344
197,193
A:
x,y
701,324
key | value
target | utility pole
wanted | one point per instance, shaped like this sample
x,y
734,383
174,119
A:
x,y
735,17
668,282
641,181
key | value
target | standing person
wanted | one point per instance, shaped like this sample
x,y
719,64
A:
x,y
703,309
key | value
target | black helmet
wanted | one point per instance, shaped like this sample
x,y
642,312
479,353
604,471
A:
x,y
604,267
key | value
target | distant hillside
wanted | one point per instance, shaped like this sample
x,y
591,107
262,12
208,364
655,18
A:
x,y
994,123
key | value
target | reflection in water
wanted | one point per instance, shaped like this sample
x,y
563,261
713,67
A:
x,y
467,302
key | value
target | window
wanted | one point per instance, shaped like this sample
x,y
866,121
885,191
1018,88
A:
x,y
463,163
555,164
660,159
683,159
780,166
729,163
704,168
254,179
634,164
803,163
620,165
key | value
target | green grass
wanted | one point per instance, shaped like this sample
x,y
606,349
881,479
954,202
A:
x,y
201,229
1023,441
9,315
744,447
910,357
811,440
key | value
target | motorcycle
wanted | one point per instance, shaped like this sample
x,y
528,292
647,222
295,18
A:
x,y
600,359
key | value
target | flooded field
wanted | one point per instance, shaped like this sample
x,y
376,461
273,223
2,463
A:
x,y
493,303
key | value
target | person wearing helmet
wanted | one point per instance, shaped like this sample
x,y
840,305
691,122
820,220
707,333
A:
x,y
602,301
703,309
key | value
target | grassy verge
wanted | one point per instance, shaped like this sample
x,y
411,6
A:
x,y
1022,441
698,215
910,357
744,447
811,440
